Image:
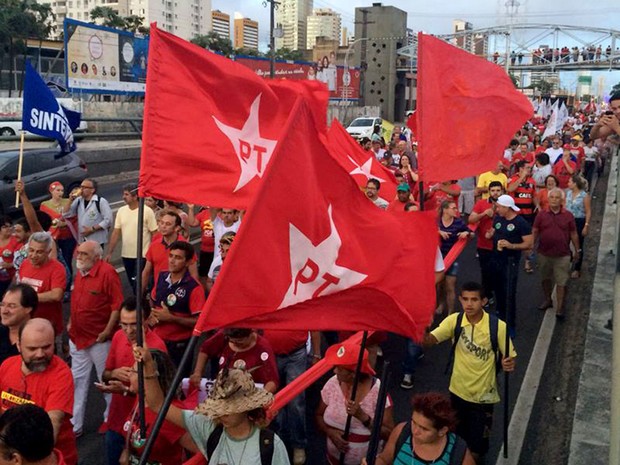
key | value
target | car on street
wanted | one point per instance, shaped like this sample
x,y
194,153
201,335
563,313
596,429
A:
x,y
363,126
39,170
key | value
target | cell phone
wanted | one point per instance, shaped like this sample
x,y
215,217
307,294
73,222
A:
x,y
609,112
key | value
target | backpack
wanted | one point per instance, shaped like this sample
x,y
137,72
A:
x,y
493,329
96,204
458,451
265,441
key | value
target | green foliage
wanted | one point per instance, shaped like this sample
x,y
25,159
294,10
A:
x,y
110,18
23,19
288,54
214,42
250,52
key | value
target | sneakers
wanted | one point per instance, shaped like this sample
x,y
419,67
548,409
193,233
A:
x,y
407,382
299,456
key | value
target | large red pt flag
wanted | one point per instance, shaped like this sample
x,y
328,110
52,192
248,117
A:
x,y
468,110
314,253
360,164
211,125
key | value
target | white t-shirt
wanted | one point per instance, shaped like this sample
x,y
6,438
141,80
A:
x,y
591,153
540,173
219,229
554,154
215,267
127,221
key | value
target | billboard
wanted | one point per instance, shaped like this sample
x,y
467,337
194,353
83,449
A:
x,y
343,83
103,60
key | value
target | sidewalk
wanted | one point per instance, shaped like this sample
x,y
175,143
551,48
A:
x,y
590,435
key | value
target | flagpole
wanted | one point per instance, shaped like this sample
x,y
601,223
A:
x,y
358,370
375,434
19,166
418,116
170,395
509,310
140,316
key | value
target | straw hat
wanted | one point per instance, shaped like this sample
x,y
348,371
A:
x,y
234,391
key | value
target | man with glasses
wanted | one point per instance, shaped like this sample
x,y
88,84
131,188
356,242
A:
x,y
118,368
555,151
93,213
95,302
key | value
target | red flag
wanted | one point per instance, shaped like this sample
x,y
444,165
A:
x,y
306,254
360,164
468,109
210,124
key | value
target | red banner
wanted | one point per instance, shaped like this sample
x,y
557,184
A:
x,y
333,76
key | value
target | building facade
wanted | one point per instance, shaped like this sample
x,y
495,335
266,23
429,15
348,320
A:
x,y
292,16
475,43
379,32
323,22
220,24
246,34
184,18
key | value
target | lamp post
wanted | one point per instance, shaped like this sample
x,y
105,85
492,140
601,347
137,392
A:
x,y
272,36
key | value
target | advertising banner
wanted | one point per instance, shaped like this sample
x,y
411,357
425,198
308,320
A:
x,y
343,84
103,60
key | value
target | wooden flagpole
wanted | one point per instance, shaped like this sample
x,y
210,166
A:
x,y
358,370
19,166
140,316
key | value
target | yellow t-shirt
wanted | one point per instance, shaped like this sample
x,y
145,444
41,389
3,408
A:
x,y
473,376
127,222
487,178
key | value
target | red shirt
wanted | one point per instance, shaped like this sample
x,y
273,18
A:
x,y
121,355
259,360
396,205
6,255
157,253
554,230
95,296
283,342
55,231
50,276
517,157
579,153
438,196
524,194
207,239
484,224
560,172
51,389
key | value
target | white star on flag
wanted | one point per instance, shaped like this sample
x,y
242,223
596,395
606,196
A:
x,y
314,271
253,152
364,169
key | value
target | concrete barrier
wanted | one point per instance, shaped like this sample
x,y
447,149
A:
x,y
102,161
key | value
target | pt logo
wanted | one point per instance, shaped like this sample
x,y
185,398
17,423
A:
x,y
314,271
252,151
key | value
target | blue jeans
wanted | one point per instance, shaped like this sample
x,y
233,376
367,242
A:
x,y
114,445
290,424
414,351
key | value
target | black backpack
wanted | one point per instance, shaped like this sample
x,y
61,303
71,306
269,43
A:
x,y
458,451
493,327
265,441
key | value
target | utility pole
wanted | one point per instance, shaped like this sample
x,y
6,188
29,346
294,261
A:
x,y
273,4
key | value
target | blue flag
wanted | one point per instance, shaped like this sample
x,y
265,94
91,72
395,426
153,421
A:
x,y
43,115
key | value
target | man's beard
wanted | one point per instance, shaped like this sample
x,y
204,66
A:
x,y
38,365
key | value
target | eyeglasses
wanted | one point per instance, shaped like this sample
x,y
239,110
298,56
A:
x,y
87,187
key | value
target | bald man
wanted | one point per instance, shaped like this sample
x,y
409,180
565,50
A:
x,y
95,305
39,377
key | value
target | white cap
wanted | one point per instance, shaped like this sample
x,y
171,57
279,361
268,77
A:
x,y
507,201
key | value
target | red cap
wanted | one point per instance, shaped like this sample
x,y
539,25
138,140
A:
x,y
567,147
54,185
346,355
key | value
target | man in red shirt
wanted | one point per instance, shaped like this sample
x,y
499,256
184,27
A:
x,y
555,229
95,303
118,369
564,168
207,239
178,299
169,226
28,437
403,197
522,188
39,377
521,155
47,276
482,214
437,193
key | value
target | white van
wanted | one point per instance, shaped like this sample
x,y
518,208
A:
x,y
363,126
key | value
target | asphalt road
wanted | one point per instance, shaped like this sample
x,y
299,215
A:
x,y
430,374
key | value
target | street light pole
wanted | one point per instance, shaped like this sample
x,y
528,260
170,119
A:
x,y
272,37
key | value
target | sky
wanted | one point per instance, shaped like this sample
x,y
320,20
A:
x,y
436,18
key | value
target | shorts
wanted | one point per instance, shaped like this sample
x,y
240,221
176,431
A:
x,y
556,269
466,202
453,270
204,262
474,423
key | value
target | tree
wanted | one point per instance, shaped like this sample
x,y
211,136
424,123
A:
x,y
214,42
250,52
110,18
545,87
21,20
288,54
615,88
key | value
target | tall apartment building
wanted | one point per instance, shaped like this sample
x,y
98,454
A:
x,y
220,24
324,22
381,31
184,18
475,43
292,16
246,33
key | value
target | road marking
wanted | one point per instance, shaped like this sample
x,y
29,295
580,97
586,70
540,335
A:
x,y
527,395
120,269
